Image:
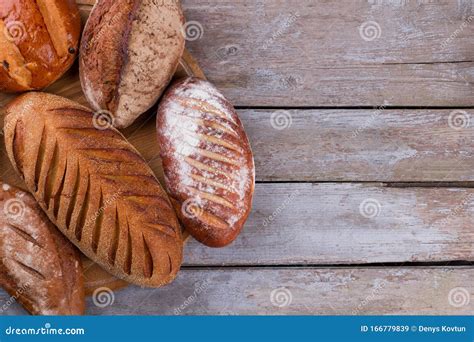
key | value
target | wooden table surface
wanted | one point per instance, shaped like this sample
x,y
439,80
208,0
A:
x,y
361,117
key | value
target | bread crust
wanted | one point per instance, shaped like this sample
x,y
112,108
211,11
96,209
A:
x,y
207,159
95,187
38,266
39,41
130,50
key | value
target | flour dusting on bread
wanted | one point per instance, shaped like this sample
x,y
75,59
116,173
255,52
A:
x,y
37,263
207,159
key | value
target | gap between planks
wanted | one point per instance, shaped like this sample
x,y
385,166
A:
x,y
333,223
397,148
269,54
308,291
303,291
316,54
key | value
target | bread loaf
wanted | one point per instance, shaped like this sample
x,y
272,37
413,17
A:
x,y
208,163
130,49
38,266
39,41
95,187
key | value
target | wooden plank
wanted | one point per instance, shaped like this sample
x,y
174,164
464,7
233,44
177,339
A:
x,y
312,54
302,291
314,224
362,145
340,145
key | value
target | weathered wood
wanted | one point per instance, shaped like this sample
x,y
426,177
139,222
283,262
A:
x,y
311,224
311,53
343,145
268,53
362,145
376,291
323,224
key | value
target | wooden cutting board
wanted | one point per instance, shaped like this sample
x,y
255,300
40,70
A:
x,y
142,134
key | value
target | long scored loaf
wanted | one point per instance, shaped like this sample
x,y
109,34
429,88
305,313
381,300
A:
x,y
39,41
207,159
95,187
130,49
38,266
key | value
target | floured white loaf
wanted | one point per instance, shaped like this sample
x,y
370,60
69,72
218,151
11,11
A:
x,y
207,159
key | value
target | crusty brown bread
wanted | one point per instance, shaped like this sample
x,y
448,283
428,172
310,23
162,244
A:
x,y
130,50
95,187
207,159
39,267
39,41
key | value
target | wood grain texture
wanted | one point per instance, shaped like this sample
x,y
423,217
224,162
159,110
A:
x,y
311,53
362,145
312,224
341,145
321,223
337,291
314,291
267,53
